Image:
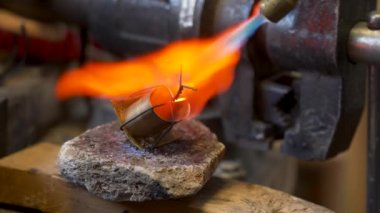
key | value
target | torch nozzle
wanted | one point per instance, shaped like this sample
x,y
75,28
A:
x,y
275,10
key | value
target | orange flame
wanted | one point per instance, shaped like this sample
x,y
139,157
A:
x,y
206,64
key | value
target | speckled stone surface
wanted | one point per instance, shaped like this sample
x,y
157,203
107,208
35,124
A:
x,y
104,162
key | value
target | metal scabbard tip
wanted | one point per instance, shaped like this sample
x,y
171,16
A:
x,y
275,10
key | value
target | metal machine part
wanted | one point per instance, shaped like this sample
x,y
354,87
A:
x,y
313,37
331,87
237,112
364,44
114,23
159,22
373,167
217,15
276,10
364,47
277,99
129,27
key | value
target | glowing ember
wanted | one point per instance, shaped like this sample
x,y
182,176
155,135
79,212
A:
x,y
206,64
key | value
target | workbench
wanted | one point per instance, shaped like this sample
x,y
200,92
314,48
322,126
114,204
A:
x,y
29,180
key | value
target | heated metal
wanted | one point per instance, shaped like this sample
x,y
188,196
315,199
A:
x,y
142,122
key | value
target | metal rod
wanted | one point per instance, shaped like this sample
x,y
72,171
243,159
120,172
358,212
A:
x,y
373,164
364,44
182,87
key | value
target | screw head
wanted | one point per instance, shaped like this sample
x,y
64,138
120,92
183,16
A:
x,y
374,20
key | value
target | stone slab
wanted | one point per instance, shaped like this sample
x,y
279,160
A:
x,y
107,165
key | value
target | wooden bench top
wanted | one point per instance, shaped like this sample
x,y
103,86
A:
x,y
30,178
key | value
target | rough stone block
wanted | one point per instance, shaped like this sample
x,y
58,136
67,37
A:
x,y
106,165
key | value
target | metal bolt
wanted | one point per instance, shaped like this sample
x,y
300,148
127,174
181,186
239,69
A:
x,y
374,20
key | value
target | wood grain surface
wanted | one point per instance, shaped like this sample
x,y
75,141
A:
x,y
30,179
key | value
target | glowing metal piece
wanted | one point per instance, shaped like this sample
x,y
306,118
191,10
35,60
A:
x,y
148,116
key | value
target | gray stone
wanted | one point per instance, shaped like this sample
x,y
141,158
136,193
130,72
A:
x,y
107,165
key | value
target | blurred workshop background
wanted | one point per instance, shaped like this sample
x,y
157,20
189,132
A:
x,y
34,52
